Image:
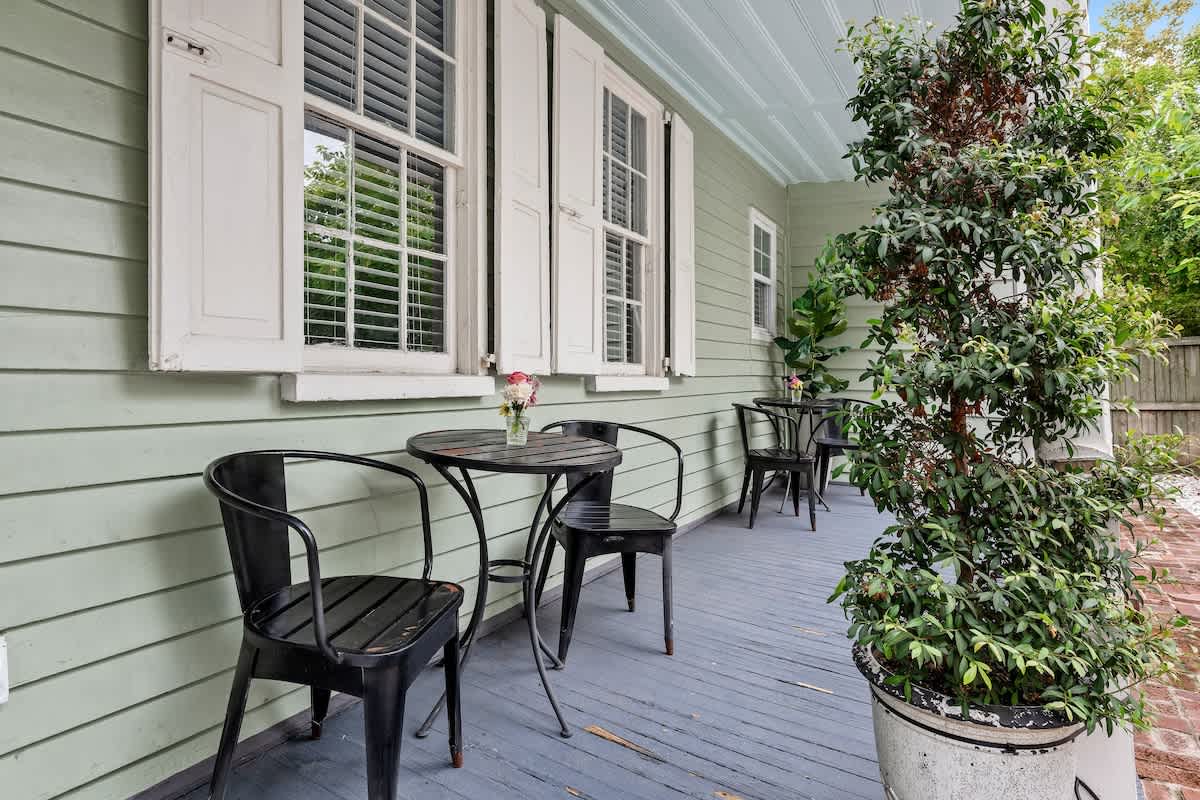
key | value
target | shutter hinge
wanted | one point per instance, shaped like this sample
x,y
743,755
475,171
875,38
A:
x,y
460,198
667,116
488,360
666,362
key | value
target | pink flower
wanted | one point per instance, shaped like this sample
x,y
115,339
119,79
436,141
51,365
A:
x,y
518,377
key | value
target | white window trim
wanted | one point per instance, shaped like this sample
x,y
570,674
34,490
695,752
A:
x,y
325,387
760,220
653,302
463,255
628,383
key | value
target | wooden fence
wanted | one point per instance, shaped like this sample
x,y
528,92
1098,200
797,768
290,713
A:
x,y
1167,395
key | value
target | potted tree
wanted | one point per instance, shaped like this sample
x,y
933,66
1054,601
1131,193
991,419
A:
x,y
817,314
997,617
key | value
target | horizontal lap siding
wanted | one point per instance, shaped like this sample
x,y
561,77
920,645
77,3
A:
x,y
115,591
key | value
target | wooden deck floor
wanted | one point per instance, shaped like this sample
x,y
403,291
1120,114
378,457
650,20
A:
x,y
760,702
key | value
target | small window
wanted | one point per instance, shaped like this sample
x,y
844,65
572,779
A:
x,y
763,244
378,156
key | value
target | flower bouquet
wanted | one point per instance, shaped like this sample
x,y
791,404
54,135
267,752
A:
x,y
519,395
795,387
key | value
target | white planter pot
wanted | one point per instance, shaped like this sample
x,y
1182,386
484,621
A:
x,y
927,751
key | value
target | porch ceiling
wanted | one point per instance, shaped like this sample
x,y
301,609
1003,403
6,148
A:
x,y
767,72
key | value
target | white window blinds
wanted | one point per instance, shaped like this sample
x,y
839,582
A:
x,y
375,221
762,260
625,191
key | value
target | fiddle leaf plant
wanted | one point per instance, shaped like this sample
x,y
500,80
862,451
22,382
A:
x,y
817,314
1000,580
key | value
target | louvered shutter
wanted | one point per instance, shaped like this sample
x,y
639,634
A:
x,y
683,249
522,229
578,283
226,129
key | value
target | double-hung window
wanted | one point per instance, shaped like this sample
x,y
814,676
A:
x,y
379,169
763,246
631,176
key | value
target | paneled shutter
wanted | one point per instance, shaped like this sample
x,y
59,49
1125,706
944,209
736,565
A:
x,y
522,230
226,185
683,249
578,234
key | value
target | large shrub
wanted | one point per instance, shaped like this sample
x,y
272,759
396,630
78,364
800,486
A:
x,y
1000,580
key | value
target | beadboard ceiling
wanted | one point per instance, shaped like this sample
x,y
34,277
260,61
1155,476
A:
x,y
767,72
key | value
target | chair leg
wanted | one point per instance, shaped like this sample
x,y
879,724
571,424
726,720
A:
x,y
745,487
796,492
383,719
547,557
812,496
756,494
320,707
233,720
572,584
450,660
629,570
824,457
668,599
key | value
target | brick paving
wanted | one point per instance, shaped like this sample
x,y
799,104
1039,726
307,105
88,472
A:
x,y
1168,756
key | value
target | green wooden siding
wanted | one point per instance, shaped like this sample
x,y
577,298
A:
x,y
115,591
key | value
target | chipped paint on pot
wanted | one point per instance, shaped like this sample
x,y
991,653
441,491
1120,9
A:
x,y
929,751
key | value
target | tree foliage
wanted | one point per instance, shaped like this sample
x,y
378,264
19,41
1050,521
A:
x,y
1000,581
1152,184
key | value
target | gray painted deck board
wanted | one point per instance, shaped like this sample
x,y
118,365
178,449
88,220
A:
x,y
725,715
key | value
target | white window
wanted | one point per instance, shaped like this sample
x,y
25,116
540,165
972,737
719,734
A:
x,y
631,169
763,246
379,158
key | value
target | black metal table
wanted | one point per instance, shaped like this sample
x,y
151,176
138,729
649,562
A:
x,y
551,454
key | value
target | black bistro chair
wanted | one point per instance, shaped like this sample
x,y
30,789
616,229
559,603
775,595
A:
x,y
785,456
833,437
365,635
593,525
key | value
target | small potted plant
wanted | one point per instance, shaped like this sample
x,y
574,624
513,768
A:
x,y
997,617
520,394
817,314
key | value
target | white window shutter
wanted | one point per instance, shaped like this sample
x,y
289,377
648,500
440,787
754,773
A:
x,y
683,249
522,231
226,185
578,233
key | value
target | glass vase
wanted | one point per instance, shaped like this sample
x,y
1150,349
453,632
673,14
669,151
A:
x,y
516,431
795,394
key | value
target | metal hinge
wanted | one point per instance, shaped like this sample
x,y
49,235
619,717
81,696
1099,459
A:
x,y
460,198
667,117
666,362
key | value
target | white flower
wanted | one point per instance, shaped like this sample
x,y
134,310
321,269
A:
x,y
518,393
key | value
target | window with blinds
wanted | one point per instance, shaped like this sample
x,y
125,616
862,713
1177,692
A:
x,y
378,78
626,188
762,259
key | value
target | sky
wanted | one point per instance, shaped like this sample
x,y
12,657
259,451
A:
x,y
1096,11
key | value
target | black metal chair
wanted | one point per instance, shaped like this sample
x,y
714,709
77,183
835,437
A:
x,y
833,438
593,525
367,636
786,456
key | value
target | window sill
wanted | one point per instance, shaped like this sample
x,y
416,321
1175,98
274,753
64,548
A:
x,y
759,336
627,383
311,387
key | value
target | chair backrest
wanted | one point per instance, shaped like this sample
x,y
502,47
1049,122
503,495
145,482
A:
x,y
600,487
258,545
745,415
252,490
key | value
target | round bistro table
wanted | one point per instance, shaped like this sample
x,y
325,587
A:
x,y
551,454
